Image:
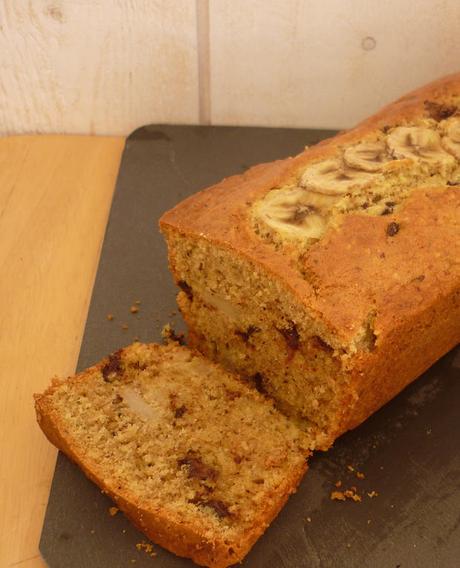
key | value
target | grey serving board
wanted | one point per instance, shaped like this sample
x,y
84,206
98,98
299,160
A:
x,y
409,451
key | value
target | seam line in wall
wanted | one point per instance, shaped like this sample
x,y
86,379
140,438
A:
x,y
204,66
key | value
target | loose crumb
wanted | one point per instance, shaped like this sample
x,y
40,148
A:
x,y
92,531
350,494
350,468
347,494
138,302
110,317
338,483
135,338
113,511
134,309
368,521
124,326
360,475
308,519
338,496
373,494
146,547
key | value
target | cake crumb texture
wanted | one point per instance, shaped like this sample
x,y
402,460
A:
x,y
197,459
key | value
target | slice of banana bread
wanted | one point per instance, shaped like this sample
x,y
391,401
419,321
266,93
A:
x,y
199,461
331,279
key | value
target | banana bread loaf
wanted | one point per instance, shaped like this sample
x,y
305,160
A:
x,y
198,460
331,279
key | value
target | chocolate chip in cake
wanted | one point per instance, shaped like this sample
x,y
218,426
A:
x,y
232,395
453,183
117,399
392,229
319,343
258,381
245,335
170,336
291,335
439,111
196,468
219,507
185,287
179,412
113,367
389,208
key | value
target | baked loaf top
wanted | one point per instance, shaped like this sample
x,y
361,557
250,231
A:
x,y
197,459
362,228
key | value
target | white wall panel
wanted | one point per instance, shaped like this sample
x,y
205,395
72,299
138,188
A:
x,y
324,63
108,66
96,66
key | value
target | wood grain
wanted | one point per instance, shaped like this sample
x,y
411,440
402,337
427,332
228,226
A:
x,y
105,66
55,195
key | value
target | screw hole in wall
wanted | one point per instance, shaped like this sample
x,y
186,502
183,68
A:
x,y
368,43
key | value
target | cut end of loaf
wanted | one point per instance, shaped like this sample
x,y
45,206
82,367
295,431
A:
x,y
200,461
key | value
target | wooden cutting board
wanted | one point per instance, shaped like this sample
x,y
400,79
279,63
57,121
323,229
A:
x,y
409,452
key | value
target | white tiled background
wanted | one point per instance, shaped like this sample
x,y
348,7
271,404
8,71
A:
x,y
109,66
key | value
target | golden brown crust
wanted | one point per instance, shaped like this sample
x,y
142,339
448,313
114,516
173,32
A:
x,y
174,533
407,284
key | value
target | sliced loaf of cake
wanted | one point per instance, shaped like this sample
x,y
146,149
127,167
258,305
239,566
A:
x,y
333,277
197,459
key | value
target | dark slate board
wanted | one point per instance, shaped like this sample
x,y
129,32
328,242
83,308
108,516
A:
x,y
409,450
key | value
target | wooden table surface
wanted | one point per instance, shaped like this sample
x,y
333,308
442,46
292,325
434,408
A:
x,y
55,195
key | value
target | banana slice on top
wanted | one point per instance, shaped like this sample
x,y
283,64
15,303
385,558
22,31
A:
x,y
332,177
418,143
291,214
367,156
451,141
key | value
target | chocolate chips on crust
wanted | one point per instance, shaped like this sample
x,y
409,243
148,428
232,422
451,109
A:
x,y
392,229
439,111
